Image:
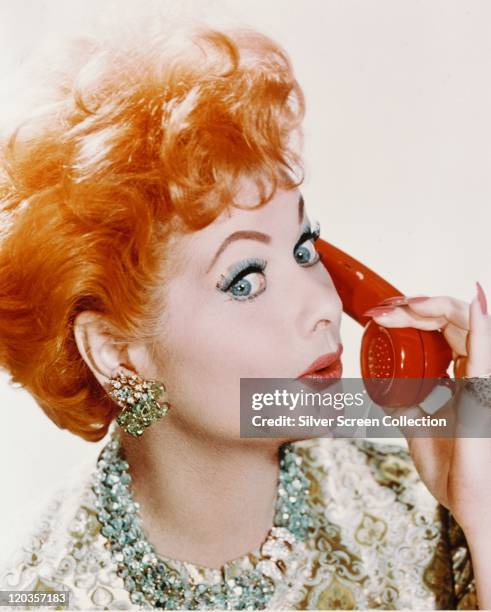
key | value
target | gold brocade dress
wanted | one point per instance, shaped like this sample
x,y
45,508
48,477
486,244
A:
x,y
385,542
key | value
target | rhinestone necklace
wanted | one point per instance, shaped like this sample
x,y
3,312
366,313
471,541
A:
x,y
153,583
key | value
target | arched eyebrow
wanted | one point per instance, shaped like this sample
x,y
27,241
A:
x,y
239,235
301,206
250,235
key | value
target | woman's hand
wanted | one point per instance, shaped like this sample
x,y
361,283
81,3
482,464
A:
x,y
457,471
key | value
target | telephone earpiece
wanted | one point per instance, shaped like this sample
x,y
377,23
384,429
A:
x,y
389,356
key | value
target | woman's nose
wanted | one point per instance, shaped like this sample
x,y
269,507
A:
x,y
318,302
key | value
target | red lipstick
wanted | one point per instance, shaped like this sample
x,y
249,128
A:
x,y
325,366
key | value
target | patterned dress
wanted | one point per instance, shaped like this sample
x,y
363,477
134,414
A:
x,y
383,542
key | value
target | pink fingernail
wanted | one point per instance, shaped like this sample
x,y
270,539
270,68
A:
x,y
378,311
481,297
418,299
401,300
394,300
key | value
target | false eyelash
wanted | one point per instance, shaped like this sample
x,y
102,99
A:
x,y
308,234
242,268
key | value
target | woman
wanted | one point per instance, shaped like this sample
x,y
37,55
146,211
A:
x,y
154,230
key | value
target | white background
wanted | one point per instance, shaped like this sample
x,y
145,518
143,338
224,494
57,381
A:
x,y
397,149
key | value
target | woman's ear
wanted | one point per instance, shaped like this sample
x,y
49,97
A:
x,y
101,352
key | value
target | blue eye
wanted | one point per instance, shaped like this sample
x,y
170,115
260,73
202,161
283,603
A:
x,y
304,252
245,281
249,286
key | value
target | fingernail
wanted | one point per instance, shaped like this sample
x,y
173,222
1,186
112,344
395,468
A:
x,y
417,299
481,297
378,311
401,300
395,299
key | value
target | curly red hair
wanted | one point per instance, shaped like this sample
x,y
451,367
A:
x,y
140,140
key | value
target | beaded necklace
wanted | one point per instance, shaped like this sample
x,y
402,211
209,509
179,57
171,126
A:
x,y
153,583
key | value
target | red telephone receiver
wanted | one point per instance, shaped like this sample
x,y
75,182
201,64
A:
x,y
389,356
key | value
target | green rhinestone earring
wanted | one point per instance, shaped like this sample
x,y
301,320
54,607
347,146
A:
x,y
142,401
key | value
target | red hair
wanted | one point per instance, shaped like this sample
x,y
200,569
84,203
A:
x,y
140,140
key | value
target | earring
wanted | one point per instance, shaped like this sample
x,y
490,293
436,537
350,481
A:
x,y
139,400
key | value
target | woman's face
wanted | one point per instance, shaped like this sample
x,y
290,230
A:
x,y
248,298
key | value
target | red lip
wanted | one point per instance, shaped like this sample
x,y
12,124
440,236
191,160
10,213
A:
x,y
327,365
